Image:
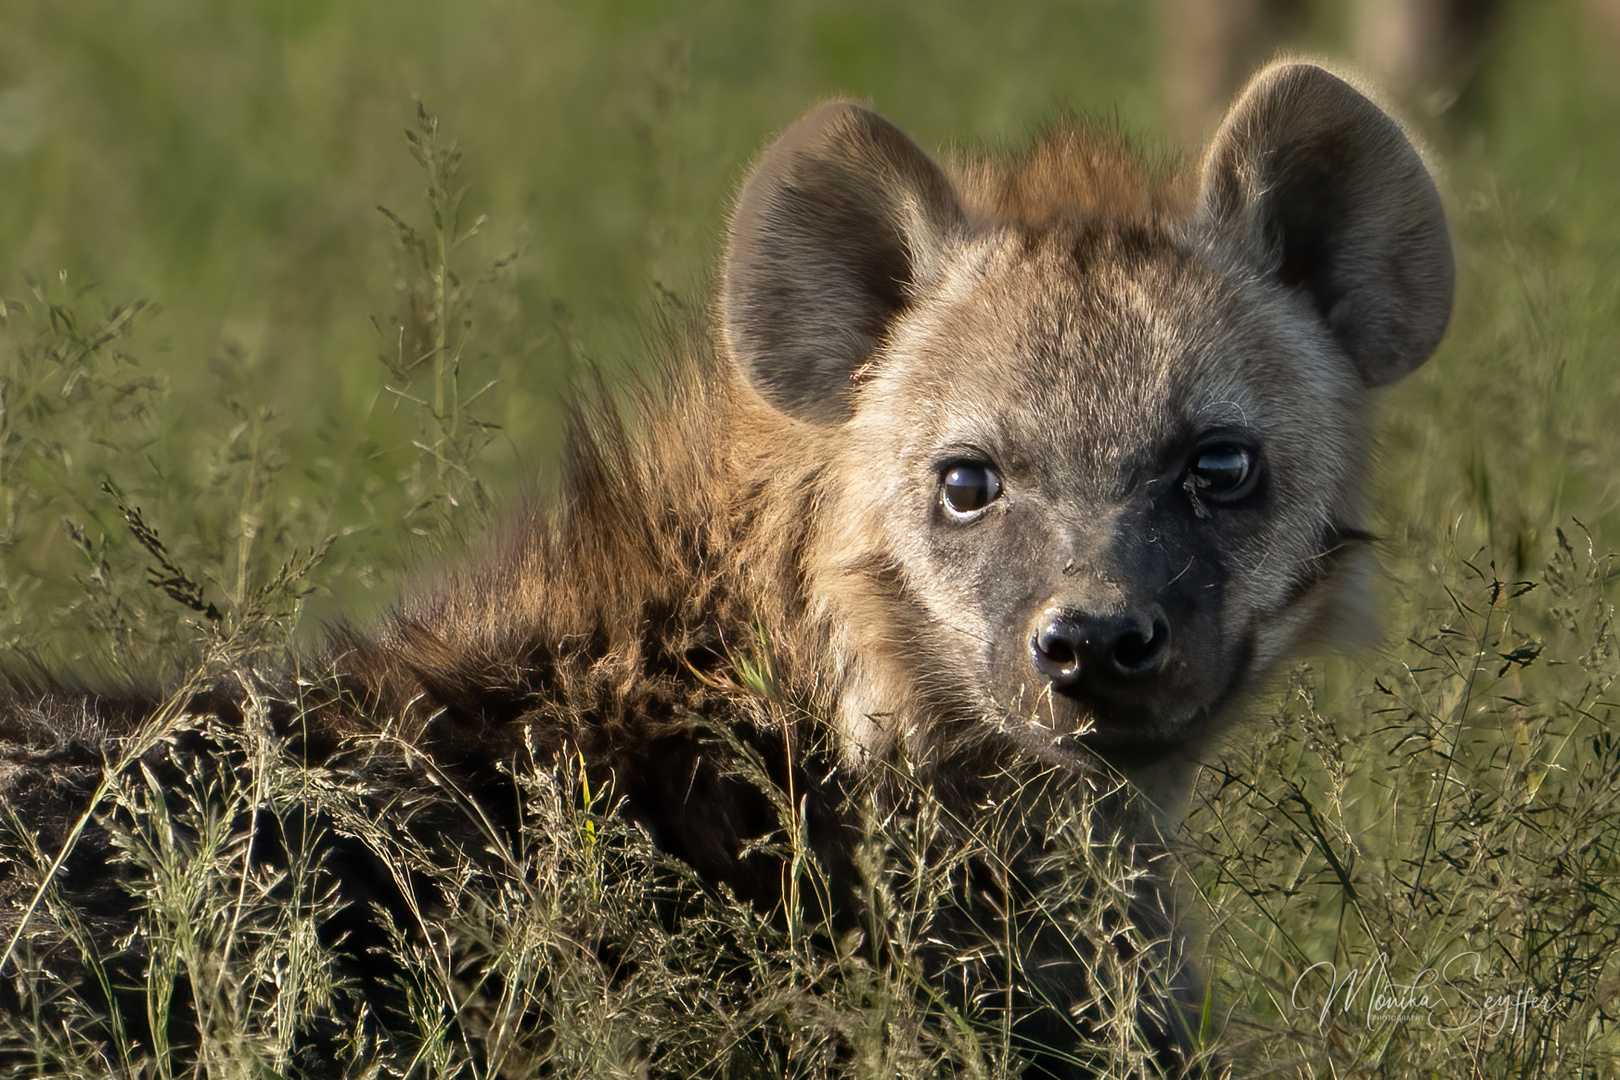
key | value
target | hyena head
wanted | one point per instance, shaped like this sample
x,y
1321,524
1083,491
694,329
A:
x,y
1093,445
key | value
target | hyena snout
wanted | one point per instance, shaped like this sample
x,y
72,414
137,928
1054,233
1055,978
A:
x,y
1079,650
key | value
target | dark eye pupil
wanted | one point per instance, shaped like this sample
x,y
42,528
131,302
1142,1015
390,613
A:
x,y
1221,469
967,488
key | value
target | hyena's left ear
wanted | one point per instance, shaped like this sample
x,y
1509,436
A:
x,y
840,221
1323,189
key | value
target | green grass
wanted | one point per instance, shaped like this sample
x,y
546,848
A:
x,y
314,402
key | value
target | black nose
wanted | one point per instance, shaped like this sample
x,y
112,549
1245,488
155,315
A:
x,y
1071,646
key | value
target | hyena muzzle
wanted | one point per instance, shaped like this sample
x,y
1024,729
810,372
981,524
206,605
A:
x,y
1010,470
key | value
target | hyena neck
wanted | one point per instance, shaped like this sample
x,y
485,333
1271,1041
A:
x,y
650,625
660,591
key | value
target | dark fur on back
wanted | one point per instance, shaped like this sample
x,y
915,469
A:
x,y
603,626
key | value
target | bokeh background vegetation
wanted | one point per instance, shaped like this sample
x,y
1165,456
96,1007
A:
x,y
208,319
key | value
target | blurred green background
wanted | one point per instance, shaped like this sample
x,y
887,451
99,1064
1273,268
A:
x,y
226,160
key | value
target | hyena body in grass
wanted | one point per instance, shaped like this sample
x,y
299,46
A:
x,y
1006,484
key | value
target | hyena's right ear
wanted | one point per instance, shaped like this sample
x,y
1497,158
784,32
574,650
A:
x,y
842,217
1324,191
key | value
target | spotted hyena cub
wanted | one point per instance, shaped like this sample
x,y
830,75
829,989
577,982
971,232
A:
x,y
1015,478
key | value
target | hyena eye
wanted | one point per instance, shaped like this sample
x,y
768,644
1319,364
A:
x,y
968,487
1222,473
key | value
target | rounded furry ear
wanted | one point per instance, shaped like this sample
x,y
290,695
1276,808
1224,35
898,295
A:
x,y
839,221
1326,192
